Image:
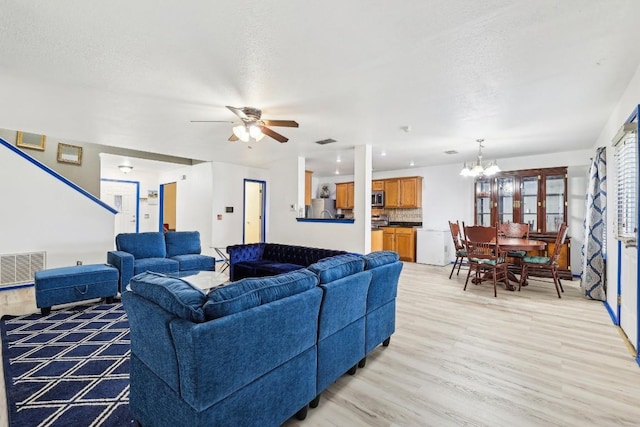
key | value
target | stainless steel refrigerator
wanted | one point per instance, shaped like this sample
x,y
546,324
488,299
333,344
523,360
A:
x,y
323,208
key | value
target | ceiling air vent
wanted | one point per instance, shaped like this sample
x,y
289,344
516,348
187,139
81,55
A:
x,y
326,141
451,152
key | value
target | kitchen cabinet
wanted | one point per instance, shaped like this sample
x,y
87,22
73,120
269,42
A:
x,y
376,240
403,192
307,188
377,185
537,197
401,240
344,195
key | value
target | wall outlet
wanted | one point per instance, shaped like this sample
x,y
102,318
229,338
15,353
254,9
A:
x,y
78,262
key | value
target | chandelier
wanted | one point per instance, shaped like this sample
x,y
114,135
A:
x,y
477,169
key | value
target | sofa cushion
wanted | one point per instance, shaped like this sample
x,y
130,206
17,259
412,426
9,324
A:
x,y
182,243
376,259
158,265
252,292
337,267
172,294
142,245
274,267
195,262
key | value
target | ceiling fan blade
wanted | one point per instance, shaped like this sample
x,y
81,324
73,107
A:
x,y
272,134
233,137
238,112
284,123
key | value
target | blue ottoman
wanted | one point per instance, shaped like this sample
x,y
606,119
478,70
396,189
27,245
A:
x,y
71,284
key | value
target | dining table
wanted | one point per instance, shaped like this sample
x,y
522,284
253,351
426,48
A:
x,y
517,244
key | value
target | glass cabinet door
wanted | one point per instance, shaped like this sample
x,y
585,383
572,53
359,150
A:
x,y
483,202
506,187
529,202
554,202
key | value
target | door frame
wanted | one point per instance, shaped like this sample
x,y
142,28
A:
x,y
263,184
137,184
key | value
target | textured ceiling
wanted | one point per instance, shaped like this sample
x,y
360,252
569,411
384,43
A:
x,y
528,77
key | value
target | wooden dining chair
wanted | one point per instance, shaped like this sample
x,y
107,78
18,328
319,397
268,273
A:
x,y
485,257
547,264
517,230
458,243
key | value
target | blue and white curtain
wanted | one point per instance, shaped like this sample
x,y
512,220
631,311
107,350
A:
x,y
593,280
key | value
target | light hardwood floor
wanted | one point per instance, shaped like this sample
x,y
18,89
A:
x,y
466,358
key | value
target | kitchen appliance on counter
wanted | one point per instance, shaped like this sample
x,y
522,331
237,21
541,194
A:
x,y
378,221
323,208
377,199
432,246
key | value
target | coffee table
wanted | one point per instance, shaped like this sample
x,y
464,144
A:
x,y
202,279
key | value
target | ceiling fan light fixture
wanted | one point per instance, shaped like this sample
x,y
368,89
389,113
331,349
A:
x,y
255,132
241,132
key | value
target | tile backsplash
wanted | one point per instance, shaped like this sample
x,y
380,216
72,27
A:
x,y
404,215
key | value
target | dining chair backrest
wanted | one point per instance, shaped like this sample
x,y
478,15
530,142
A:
x,y
514,229
560,238
456,234
482,242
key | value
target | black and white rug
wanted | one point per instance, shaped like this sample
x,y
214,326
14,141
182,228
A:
x,y
70,368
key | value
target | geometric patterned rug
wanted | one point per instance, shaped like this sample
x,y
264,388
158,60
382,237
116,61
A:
x,y
70,368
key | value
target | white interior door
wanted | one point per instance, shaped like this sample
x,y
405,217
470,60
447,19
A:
x,y
123,197
253,214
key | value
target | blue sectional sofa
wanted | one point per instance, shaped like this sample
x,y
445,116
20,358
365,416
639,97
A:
x,y
268,259
251,352
168,252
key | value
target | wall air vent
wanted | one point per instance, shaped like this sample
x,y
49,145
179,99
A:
x,y
326,141
451,152
20,268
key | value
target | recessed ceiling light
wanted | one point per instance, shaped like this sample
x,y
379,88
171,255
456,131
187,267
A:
x,y
338,160
337,172
412,163
383,153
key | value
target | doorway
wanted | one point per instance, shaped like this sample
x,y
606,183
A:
x,y
124,197
168,197
254,207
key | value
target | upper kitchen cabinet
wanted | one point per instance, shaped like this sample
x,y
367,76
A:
x,y
403,192
344,195
377,185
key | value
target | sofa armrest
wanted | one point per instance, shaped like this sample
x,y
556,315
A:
x,y
240,253
123,261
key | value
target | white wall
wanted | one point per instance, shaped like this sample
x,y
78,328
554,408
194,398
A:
x,y
228,191
194,200
41,213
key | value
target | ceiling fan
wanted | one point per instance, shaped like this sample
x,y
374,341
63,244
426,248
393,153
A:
x,y
252,126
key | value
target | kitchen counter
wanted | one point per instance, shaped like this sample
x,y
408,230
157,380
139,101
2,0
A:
x,y
404,224
328,220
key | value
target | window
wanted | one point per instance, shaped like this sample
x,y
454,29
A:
x,y
626,153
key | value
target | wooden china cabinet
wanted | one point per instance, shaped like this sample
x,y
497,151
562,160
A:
x,y
534,196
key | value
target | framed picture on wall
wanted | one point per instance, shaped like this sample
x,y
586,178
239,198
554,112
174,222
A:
x,y
69,154
32,141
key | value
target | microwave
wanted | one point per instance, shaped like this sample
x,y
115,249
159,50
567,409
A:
x,y
377,199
